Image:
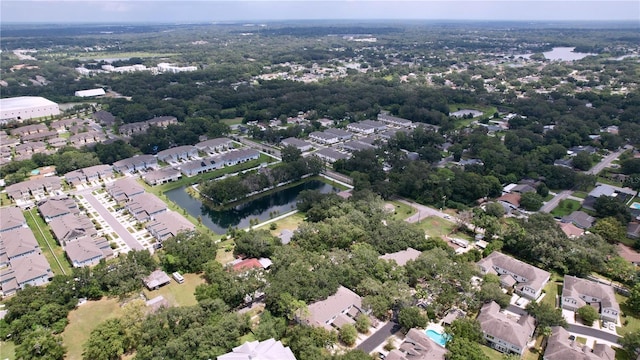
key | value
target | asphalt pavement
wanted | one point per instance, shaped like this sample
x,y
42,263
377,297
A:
x,y
598,334
379,337
124,234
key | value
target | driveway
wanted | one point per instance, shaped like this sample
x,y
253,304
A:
x,y
551,204
124,234
379,337
599,334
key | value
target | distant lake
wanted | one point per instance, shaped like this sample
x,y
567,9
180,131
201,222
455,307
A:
x,y
262,208
560,54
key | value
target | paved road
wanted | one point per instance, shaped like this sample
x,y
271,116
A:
x,y
587,331
269,149
379,337
605,162
424,212
124,234
551,204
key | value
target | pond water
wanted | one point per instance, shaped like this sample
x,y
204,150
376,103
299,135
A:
x,y
560,54
262,208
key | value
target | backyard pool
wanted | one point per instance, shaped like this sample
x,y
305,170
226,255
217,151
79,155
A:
x,y
440,339
635,205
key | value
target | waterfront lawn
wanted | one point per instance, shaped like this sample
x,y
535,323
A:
x,y
7,350
50,247
631,319
179,294
83,320
402,211
289,223
565,207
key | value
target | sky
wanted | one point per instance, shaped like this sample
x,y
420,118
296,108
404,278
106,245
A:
x,y
172,11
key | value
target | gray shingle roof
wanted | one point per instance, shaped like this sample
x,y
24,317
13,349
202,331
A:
x,y
497,324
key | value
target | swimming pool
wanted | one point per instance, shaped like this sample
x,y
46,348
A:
x,y
635,205
440,339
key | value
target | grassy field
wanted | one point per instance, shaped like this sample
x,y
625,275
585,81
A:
x,y
402,211
633,320
224,255
7,350
552,289
488,112
580,194
435,226
234,121
179,294
50,248
289,223
84,319
491,353
565,207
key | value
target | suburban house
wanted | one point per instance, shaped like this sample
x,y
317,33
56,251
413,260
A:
x,y
562,346
235,157
324,137
504,333
41,136
28,130
628,254
394,120
35,188
178,153
104,118
168,224
88,251
89,174
136,163
285,236
57,142
71,227
142,126
329,155
633,230
528,280
417,346
580,219
32,270
214,145
145,206
242,265
17,243
341,134
30,148
87,138
124,189
11,218
269,349
336,310
161,176
571,230
402,257
54,207
296,143
510,200
367,127
621,194
355,145
196,167
577,292
156,279
157,303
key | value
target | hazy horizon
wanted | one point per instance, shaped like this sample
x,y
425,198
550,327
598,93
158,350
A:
x,y
212,11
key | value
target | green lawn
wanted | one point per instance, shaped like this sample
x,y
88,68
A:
x,y
179,294
290,223
565,207
491,353
85,318
437,227
402,211
580,194
4,199
552,289
7,350
234,121
52,251
488,112
633,320
224,255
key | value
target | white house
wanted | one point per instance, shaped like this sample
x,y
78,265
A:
x,y
503,333
577,292
527,279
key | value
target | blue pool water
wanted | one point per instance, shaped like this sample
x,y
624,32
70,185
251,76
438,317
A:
x,y
440,339
635,205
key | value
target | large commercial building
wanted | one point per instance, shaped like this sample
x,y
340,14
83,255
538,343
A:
x,y
26,107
